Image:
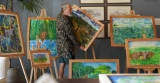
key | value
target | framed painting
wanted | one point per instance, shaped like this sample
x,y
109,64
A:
x,y
96,12
41,58
91,68
102,33
91,1
85,27
129,78
119,1
124,27
118,10
11,37
41,34
143,53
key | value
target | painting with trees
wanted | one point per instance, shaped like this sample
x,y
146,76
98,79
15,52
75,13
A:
x,y
92,68
42,34
128,27
10,34
85,26
143,52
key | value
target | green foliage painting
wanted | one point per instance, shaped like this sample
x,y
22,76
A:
x,y
133,27
144,52
92,69
44,31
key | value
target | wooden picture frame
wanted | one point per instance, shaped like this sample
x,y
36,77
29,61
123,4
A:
x,y
38,28
85,27
118,1
118,10
129,78
12,44
40,58
91,1
102,33
98,12
124,27
91,65
142,53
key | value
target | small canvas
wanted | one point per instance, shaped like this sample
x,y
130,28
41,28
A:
x,y
11,37
143,53
40,58
90,68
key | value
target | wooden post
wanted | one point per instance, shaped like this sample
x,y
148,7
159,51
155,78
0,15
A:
x,y
93,52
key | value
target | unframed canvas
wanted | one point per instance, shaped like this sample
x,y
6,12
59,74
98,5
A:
x,y
85,26
90,68
143,53
124,27
42,31
11,37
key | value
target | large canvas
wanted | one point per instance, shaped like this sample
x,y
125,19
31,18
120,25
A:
x,y
129,78
42,31
91,68
143,53
10,34
127,27
85,26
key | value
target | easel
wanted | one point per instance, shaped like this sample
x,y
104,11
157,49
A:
x,y
3,9
43,15
93,52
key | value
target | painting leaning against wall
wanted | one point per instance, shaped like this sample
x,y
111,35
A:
x,y
10,35
42,31
143,52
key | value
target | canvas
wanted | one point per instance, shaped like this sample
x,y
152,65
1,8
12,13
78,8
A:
x,y
90,68
40,58
143,53
85,26
129,78
10,34
128,27
42,31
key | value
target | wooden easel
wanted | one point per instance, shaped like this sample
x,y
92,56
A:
x,y
93,52
3,8
42,15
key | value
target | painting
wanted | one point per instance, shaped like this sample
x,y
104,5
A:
x,y
143,52
96,12
119,1
129,78
91,68
118,10
40,58
41,34
91,1
131,27
85,27
11,37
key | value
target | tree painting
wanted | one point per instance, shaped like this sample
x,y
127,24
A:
x,y
144,52
40,58
131,27
92,69
44,32
10,35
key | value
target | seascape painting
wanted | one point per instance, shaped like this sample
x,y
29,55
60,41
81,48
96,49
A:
x,y
10,35
43,31
141,52
128,27
134,79
91,69
85,27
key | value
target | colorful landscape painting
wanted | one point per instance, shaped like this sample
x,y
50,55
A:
x,y
43,31
127,27
85,28
134,79
10,35
40,58
143,52
91,69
